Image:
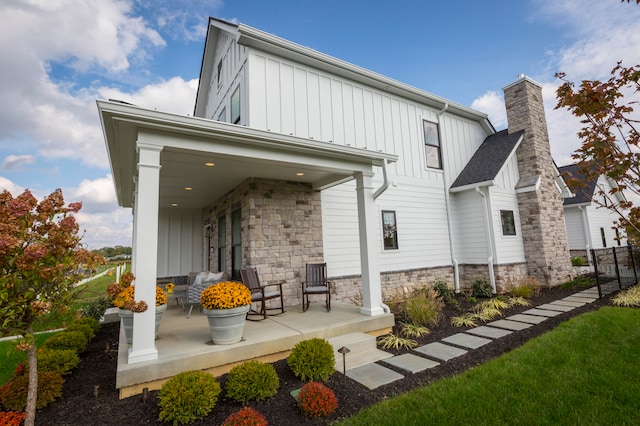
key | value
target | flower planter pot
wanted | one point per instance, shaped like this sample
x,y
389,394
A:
x,y
126,317
226,325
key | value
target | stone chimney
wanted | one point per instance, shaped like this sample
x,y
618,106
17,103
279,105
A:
x,y
539,199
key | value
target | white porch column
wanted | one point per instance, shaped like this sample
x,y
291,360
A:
x,y
371,288
145,260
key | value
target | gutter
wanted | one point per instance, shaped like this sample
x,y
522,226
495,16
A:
x,y
386,182
487,218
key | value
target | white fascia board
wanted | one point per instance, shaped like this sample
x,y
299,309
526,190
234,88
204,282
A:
x,y
472,186
264,41
200,127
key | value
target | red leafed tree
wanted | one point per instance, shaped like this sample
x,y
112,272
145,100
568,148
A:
x,y
41,259
610,137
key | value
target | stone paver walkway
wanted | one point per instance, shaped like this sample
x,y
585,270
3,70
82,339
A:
x,y
372,375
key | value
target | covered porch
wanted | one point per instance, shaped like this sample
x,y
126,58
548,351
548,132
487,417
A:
x,y
164,161
185,343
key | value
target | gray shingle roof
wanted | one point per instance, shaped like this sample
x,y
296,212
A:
x,y
583,188
488,159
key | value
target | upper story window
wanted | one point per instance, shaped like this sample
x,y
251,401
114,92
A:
x,y
223,115
220,73
389,230
508,222
235,106
432,144
604,237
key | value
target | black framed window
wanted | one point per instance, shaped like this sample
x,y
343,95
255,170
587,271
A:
x,y
432,144
389,230
220,72
508,222
604,238
235,106
222,243
236,244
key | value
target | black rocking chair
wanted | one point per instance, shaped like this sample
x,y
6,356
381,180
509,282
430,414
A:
x,y
316,283
259,294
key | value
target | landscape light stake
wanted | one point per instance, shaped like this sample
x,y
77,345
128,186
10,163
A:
x,y
96,390
344,351
145,395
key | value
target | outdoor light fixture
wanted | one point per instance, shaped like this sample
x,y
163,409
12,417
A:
x,y
174,204
299,174
188,188
344,351
209,164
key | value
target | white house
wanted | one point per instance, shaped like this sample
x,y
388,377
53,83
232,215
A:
x,y
590,224
293,156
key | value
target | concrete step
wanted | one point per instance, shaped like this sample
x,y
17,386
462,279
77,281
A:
x,y
362,350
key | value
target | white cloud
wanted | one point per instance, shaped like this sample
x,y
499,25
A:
x,y
492,104
175,95
37,36
12,187
15,162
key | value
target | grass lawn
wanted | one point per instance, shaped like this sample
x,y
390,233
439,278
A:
x,y
586,372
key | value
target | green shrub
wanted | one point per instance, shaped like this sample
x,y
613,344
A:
x,y
578,261
95,309
85,329
423,307
317,400
579,282
247,416
61,361
188,397
252,380
14,394
312,359
445,292
75,340
390,340
91,322
481,287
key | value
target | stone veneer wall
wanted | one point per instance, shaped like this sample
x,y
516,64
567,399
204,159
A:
x,y
541,212
281,230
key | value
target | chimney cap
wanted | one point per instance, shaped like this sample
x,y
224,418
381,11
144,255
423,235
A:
x,y
522,78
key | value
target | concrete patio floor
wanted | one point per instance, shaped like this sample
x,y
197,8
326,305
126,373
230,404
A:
x,y
185,343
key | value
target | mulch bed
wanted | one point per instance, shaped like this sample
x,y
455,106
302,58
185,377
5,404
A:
x,y
90,396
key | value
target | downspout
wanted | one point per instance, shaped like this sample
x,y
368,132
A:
x,y
447,201
587,234
487,218
379,191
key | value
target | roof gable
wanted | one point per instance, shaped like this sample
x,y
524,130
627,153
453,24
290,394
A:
x,y
489,159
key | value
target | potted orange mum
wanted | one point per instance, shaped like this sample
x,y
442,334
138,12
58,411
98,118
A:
x,y
123,293
226,305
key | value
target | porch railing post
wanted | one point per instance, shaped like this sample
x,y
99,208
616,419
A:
x,y
633,264
615,262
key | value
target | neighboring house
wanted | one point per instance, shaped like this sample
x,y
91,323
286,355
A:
x,y
294,156
590,224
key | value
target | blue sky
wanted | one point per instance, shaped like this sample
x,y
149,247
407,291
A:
x,y
58,57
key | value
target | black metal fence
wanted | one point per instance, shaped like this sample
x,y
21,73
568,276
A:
x,y
616,264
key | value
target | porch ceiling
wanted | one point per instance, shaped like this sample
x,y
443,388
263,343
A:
x,y
237,153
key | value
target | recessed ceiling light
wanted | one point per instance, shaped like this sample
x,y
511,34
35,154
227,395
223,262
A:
x,y
299,174
174,204
188,188
209,164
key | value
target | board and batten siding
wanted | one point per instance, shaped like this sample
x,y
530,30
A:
x,y
295,99
179,242
234,57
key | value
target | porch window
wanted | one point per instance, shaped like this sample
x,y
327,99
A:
x,y
235,106
604,238
508,222
389,230
432,144
222,243
236,244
